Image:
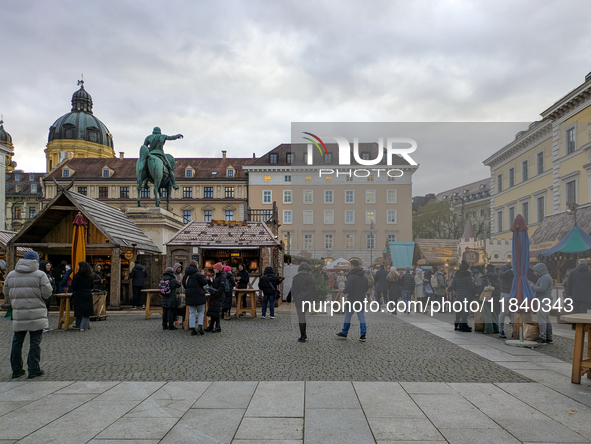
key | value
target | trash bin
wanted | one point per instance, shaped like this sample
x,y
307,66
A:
x,y
99,303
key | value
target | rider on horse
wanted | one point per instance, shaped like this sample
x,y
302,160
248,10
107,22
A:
x,y
155,143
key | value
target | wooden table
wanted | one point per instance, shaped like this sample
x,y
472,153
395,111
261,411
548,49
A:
x,y
580,365
149,294
253,302
65,319
205,317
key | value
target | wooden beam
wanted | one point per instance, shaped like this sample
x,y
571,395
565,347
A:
x,y
57,245
64,208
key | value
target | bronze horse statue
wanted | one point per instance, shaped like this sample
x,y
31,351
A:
x,y
155,172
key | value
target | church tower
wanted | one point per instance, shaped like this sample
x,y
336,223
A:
x,y
78,133
6,140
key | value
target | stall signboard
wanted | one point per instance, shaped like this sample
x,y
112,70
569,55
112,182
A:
x,y
471,256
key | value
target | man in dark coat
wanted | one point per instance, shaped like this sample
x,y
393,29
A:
x,y
269,285
578,287
194,283
464,289
138,278
303,289
381,283
355,290
407,283
217,294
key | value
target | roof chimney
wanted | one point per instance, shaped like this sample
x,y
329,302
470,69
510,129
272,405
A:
x,y
121,155
254,156
223,154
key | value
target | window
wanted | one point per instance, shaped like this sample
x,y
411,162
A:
x,y
391,217
349,241
391,238
31,177
328,158
208,192
267,179
103,192
229,215
328,196
287,178
391,178
214,173
50,165
308,217
287,216
187,216
18,212
499,221
187,192
328,217
82,190
106,173
123,192
93,136
328,178
287,241
267,196
370,178
370,216
308,179
365,155
525,212
370,241
207,215
229,192
524,170
349,196
188,173
308,197
541,209
145,192
286,196
349,179
481,213
273,158
571,191
328,242
370,196
570,141
499,183
391,197
511,216
540,162
230,173
32,213
34,188
350,216
308,242
65,173
511,177
289,157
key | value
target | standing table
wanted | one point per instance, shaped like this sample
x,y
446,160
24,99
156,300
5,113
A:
x,y
249,292
65,319
205,317
149,294
580,365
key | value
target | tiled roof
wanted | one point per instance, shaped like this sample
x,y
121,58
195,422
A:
x,y
22,178
206,234
85,168
474,188
5,237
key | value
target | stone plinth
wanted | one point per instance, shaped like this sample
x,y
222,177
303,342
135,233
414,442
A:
x,y
156,223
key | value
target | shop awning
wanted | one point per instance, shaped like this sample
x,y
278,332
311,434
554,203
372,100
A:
x,y
401,253
575,243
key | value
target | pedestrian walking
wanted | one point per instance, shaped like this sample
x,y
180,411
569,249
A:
x,y
407,283
303,289
138,278
269,285
543,291
168,290
82,285
217,294
355,290
464,290
393,287
227,305
194,283
381,280
578,287
27,288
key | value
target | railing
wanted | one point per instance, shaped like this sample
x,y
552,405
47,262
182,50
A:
x,y
269,217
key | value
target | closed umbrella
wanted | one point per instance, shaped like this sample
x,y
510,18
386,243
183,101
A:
x,y
520,289
78,242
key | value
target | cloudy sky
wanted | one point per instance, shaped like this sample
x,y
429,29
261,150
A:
x,y
233,75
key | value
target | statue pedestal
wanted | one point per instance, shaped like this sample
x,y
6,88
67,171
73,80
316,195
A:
x,y
156,223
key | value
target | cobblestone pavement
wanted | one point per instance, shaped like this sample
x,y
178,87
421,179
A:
x,y
128,347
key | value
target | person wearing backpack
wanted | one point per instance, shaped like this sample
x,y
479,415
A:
x,y
217,293
168,286
268,284
194,283
230,284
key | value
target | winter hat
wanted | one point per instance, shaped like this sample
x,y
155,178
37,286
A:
x,y
355,263
169,270
490,267
218,266
304,267
464,266
32,255
419,270
407,269
227,268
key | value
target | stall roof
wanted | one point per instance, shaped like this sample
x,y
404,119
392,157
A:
x,y
218,234
438,251
114,224
556,226
5,237
401,253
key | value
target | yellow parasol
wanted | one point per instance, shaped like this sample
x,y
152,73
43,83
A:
x,y
78,242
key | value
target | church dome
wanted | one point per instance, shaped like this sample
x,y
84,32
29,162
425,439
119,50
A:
x,y
80,123
5,138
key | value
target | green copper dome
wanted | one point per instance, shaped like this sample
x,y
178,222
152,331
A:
x,y
4,136
80,123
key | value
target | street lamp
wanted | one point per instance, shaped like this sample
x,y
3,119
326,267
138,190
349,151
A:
x,y
371,242
451,205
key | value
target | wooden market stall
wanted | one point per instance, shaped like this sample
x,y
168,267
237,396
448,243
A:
x,y
111,238
436,252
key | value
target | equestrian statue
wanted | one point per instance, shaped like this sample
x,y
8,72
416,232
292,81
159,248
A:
x,y
156,167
